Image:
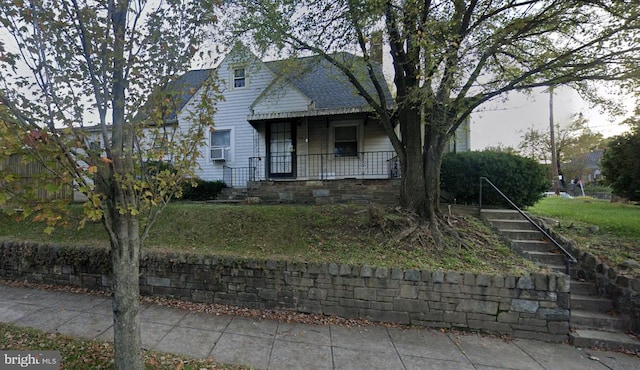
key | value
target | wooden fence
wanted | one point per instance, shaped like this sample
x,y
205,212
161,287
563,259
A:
x,y
31,175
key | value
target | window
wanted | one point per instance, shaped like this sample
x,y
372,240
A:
x,y
220,144
221,138
346,141
160,141
95,149
95,145
239,78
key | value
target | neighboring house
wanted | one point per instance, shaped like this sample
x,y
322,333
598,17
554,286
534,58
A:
x,y
461,141
586,166
294,120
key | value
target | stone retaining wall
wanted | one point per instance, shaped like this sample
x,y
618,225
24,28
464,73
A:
x,y
532,306
365,191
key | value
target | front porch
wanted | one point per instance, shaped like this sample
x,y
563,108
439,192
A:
x,y
378,165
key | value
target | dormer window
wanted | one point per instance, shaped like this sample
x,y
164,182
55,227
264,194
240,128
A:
x,y
239,78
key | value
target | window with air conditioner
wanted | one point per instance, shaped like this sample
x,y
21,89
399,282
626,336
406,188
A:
x,y
220,145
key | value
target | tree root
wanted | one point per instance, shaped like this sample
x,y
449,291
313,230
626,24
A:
x,y
404,229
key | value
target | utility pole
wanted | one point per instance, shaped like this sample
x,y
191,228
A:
x,y
554,157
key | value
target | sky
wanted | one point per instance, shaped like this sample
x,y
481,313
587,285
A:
x,y
503,123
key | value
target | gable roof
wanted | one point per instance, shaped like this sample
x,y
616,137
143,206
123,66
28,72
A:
x,y
183,88
179,92
595,156
321,82
324,84
591,159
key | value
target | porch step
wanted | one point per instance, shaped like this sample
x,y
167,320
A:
x,y
545,258
590,320
604,339
593,322
590,303
558,268
510,224
501,214
533,246
525,238
226,201
231,195
583,288
523,235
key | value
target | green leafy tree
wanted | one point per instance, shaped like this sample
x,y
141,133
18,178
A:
x,y
575,139
449,58
500,148
535,144
621,161
113,62
572,142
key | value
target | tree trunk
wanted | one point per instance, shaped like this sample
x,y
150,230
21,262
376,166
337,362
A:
x,y
435,141
124,234
124,227
433,163
412,190
126,291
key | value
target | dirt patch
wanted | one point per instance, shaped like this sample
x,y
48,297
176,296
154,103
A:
x,y
454,241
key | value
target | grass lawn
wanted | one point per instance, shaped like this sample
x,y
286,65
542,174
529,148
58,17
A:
x,y
608,230
333,233
341,234
84,354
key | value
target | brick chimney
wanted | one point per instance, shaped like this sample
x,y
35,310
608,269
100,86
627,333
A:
x,y
376,47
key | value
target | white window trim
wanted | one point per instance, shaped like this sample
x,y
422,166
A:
x,y
360,132
232,77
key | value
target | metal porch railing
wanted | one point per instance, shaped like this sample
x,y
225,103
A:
x,y
373,165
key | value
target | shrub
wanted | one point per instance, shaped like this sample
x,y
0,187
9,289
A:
x,y
153,167
621,165
521,179
205,190
597,188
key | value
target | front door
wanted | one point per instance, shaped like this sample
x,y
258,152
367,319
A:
x,y
282,150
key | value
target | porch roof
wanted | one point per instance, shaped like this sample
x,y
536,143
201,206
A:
x,y
308,113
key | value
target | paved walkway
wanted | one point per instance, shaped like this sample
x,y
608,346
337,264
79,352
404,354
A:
x,y
265,344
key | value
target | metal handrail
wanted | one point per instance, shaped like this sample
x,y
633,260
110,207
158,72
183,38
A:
x,y
568,257
237,176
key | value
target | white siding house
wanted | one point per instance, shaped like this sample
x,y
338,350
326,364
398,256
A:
x,y
287,120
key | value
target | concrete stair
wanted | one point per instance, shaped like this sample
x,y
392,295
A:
x,y
604,339
594,322
231,196
524,238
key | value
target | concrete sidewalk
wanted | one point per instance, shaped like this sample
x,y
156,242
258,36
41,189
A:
x,y
264,344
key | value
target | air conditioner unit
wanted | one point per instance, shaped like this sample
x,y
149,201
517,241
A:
x,y
218,154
